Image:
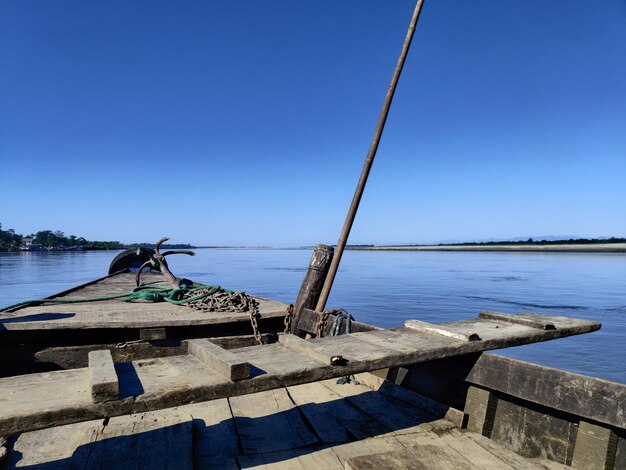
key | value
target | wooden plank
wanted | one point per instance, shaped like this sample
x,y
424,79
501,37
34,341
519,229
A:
x,y
152,334
26,402
269,422
118,314
220,360
214,432
480,456
303,346
517,461
405,395
451,449
333,418
394,414
103,379
62,447
596,447
480,406
300,459
423,456
160,440
367,447
441,330
348,347
126,315
528,319
155,440
588,397
310,318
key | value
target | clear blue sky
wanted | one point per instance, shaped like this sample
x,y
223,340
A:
x,y
247,122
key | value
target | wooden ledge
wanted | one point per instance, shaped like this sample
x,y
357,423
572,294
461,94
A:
x,y
104,383
441,330
220,360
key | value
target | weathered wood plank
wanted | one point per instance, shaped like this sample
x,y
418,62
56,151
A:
x,y
422,457
155,440
152,334
480,406
528,319
60,448
303,346
441,330
220,360
103,379
405,395
367,447
595,447
269,422
333,418
171,381
214,432
580,395
310,318
160,440
478,455
394,414
118,314
300,459
517,461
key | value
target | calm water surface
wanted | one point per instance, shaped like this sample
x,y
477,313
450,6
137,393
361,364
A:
x,y
386,288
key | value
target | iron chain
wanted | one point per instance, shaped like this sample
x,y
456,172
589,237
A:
x,y
321,325
254,312
288,319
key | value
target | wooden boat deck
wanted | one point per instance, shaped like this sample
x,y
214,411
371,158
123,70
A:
x,y
119,314
310,426
105,389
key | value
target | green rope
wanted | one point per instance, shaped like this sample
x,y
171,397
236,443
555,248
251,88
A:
x,y
142,293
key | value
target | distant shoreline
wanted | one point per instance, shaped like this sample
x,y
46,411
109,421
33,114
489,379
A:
x,y
564,248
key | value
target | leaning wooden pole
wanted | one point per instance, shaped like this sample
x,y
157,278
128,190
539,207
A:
x,y
347,226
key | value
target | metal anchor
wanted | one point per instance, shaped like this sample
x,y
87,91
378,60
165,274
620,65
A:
x,y
157,262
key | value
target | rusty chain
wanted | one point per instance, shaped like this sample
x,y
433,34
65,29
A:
x,y
224,301
221,301
254,312
319,330
288,319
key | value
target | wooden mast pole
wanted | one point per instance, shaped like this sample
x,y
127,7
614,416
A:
x,y
347,226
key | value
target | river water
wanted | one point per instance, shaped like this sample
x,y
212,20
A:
x,y
385,288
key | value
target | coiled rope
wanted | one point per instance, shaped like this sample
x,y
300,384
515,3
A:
x,y
195,296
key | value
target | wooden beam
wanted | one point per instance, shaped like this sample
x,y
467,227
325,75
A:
x,y
220,360
303,346
596,447
310,318
311,285
103,378
588,397
152,334
441,330
529,319
36,401
480,407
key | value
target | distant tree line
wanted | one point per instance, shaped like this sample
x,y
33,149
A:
x,y
178,246
49,239
530,241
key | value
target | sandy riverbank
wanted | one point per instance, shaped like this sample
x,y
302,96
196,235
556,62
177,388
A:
x,y
596,248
